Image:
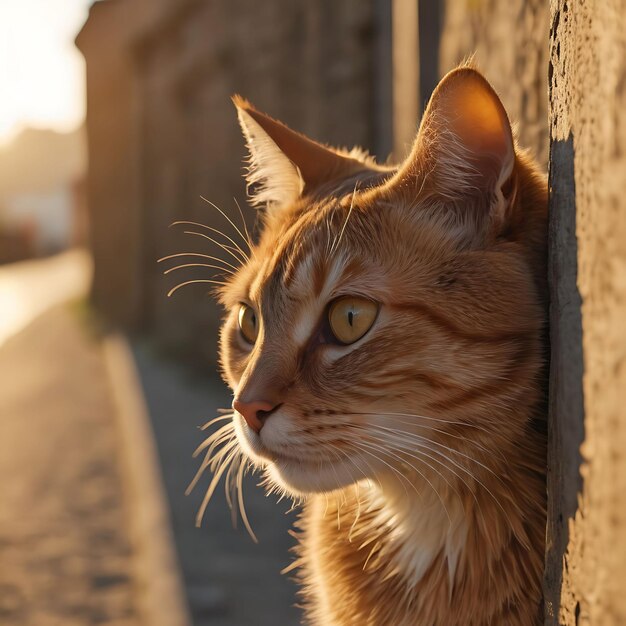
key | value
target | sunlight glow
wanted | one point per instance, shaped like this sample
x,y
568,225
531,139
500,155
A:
x,y
41,72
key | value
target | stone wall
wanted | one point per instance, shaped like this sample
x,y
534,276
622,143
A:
x,y
561,72
586,561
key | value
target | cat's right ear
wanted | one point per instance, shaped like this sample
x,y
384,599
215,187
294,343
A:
x,y
284,164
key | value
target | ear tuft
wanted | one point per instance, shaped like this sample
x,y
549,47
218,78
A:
x,y
272,178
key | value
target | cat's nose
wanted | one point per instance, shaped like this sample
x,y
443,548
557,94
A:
x,y
255,412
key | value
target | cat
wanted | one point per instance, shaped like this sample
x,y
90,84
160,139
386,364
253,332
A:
x,y
385,343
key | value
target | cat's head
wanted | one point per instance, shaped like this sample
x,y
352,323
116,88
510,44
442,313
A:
x,y
387,319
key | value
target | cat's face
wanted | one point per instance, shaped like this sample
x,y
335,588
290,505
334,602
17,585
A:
x,y
381,318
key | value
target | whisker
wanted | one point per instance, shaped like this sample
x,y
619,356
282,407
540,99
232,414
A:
x,y
422,454
215,267
209,462
448,434
192,282
221,418
230,489
246,241
245,227
214,460
225,431
338,240
360,445
404,435
198,254
213,230
423,417
244,516
384,451
424,444
223,246
216,478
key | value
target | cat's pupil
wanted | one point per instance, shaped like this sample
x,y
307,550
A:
x,y
350,317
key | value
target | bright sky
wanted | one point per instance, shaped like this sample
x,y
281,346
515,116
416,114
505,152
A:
x,y
41,72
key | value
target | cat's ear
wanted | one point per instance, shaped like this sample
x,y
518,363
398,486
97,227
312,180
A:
x,y
284,164
464,152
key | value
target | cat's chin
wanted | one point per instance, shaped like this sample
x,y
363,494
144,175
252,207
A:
x,y
302,477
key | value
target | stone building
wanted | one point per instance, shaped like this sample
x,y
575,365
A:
x,y
163,132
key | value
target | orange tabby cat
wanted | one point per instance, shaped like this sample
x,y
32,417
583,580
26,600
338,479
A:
x,y
385,345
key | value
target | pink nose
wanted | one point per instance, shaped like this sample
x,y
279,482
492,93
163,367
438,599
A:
x,y
255,412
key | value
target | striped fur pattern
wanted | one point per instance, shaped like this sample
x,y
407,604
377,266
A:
x,y
419,450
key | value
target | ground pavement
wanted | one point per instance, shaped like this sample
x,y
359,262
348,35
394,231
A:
x,y
68,547
65,556
230,581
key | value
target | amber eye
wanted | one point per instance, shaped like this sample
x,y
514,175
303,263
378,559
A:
x,y
351,317
248,323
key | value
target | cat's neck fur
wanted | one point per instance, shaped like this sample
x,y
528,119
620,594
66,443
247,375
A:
x,y
379,555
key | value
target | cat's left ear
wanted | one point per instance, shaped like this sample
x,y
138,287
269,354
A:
x,y
285,164
464,154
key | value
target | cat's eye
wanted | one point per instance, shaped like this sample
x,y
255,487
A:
x,y
351,317
248,323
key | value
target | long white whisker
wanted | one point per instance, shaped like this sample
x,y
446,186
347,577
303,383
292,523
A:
x,y
422,417
210,461
384,451
246,241
424,444
227,430
364,448
223,246
214,460
245,227
230,486
180,267
244,516
343,228
401,449
220,418
404,435
198,254
171,292
213,230
218,474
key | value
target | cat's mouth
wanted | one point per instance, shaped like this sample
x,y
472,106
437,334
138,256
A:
x,y
300,473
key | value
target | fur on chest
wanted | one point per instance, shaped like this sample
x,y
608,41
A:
x,y
364,562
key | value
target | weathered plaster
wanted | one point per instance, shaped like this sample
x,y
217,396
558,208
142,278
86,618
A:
x,y
586,559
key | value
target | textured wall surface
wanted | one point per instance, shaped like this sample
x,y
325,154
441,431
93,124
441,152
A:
x,y
586,565
576,49
509,41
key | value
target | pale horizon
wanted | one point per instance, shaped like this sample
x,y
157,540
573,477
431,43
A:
x,y
42,79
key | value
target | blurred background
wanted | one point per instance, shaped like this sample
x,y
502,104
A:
x,y
115,122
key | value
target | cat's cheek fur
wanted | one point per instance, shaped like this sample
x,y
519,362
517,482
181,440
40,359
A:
x,y
295,473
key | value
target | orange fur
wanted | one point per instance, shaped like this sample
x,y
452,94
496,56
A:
x,y
419,449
